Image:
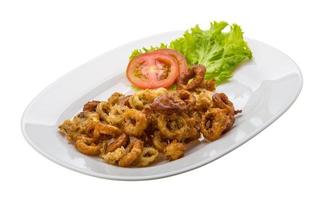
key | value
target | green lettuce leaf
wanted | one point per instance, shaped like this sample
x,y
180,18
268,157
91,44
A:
x,y
218,50
145,50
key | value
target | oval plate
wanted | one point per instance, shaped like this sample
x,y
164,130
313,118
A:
x,y
263,88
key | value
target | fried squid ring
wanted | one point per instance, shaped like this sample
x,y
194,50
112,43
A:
x,y
134,150
124,101
193,133
87,146
184,78
220,100
86,122
208,85
144,97
168,103
199,72
103,109
106,129
114,99
173,102
193,78
174,150
173,127
140,99
214,123
121,141
159,91
85,115
203,100
115,116
91,106
187,97
134,122
158,143
115,156
82,124
148,156
70,130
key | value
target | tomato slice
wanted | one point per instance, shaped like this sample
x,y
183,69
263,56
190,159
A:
x,y
178,56
153,70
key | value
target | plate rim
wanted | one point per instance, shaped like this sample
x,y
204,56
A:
x,y
164,174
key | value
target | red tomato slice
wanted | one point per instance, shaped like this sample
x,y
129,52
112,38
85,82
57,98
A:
x,y
178,56
153,70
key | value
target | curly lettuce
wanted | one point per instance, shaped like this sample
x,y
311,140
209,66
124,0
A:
x,y
218,50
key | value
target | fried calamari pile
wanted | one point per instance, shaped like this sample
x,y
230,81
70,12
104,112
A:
x,y
151,125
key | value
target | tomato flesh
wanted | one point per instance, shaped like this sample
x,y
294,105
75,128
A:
x,y
153,70
178,56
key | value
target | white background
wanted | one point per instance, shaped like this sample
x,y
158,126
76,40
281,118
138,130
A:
x,y
42,40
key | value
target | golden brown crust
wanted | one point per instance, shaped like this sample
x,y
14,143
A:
x,y
174,150
134,150
135,122
148,156
91,106
120,141
214,123
193,79
87,146
141,129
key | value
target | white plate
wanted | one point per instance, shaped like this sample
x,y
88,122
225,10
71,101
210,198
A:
x,y
264,89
